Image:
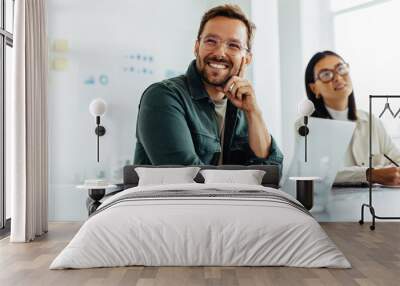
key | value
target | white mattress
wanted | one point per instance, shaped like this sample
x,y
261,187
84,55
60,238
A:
x,y
191,231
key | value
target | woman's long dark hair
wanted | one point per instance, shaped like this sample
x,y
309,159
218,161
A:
x,y
320,109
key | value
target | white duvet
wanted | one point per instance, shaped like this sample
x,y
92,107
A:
x,y
185,231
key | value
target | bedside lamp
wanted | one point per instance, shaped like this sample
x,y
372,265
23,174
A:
x,y
305,185
305,108
97,108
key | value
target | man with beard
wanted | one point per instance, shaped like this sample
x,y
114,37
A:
x,y
210,114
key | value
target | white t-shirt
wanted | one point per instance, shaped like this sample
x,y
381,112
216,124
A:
x,y
220,111
338,114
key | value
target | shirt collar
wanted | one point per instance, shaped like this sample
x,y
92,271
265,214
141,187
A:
x,y
196,85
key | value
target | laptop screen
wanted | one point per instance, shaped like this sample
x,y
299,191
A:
x,y
327,143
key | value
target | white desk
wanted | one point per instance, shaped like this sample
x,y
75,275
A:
x,y
344,204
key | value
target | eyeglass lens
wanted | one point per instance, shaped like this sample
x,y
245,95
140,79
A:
x,y
328,75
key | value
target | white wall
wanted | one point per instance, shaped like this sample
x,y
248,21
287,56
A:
x,y
291,72
266,64
365,38
317,28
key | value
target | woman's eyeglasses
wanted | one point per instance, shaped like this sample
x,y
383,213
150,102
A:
x,y
327,75
231,47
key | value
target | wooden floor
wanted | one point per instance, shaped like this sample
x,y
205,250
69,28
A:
x,y
374,255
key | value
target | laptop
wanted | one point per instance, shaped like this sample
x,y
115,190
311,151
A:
x,y
327,143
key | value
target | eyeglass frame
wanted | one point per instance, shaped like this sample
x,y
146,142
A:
x,y
225,42
334,71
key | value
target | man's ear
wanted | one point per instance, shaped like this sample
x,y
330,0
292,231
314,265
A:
x,y
248,58
196,48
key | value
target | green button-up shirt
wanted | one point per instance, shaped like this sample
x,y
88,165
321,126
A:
x,y
177,125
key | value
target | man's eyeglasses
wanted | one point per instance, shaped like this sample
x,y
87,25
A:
x,y
232,48
327,75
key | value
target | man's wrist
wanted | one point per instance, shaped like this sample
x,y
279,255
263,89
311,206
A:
x,y
254,113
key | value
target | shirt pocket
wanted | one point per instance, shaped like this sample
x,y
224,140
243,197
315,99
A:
x,y
206,145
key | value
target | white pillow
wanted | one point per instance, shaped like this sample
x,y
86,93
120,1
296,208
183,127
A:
x,y
248,177
163,176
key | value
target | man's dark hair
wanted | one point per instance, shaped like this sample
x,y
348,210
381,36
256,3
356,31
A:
x,y
232,12
320,109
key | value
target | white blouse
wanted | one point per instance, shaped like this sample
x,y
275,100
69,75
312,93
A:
x,y
357,156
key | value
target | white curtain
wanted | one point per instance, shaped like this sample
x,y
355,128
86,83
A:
x,y
27,122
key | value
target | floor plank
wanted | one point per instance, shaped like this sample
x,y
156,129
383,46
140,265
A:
x,y
374,255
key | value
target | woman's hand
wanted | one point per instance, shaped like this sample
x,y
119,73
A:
x,y
386,176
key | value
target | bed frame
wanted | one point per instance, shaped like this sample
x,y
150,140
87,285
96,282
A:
x,y
271,177
131,179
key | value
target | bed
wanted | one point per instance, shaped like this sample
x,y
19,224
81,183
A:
x,y
201,224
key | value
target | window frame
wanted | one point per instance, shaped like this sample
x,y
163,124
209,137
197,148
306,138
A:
x,y
359,6
6,39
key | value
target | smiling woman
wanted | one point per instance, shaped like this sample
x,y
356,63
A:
x,y
329,87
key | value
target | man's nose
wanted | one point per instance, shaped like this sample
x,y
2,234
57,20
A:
x,y
220,50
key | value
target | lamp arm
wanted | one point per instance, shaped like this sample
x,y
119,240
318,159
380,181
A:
x,y
98,145
305,138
